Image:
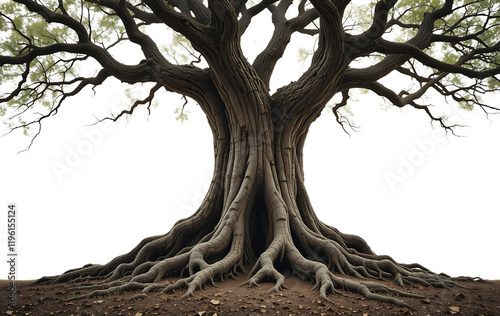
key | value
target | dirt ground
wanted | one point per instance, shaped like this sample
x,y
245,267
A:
x,y
229,298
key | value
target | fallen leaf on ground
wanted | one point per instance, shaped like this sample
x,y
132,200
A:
x,y
215,302
454,309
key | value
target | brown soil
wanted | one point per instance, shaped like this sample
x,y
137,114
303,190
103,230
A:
x,y
229,298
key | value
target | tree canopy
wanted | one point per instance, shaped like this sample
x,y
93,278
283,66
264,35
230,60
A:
x,y
445,47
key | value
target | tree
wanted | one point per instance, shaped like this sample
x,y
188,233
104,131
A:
x,y
257,209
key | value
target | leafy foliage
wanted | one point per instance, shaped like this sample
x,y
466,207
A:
x,y
50,50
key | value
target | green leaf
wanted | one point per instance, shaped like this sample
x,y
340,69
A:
x,y
18,22
493,83
25,127
182,115
466,106
303,54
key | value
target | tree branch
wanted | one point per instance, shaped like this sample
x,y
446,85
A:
x,y
224,21
131,74
318,84
399,101
64,19
182,79
358,45
147,100
149,47
283,29
341,119
195,32
19,87
422,40
248,14
95,81
200,11
146,17
387,47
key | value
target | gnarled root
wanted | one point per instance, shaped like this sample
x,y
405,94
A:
x,y
325,263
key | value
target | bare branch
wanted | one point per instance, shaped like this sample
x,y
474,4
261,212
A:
x,y
399,101
341,119
147,100
99,79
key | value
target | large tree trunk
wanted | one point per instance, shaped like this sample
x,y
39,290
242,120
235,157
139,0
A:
x,y
257,210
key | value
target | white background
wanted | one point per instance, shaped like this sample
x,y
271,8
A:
x,y
136,178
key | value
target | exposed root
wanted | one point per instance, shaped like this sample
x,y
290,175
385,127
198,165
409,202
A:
x,y
139,296
329,266
130,286
264,269
266,274
327,282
